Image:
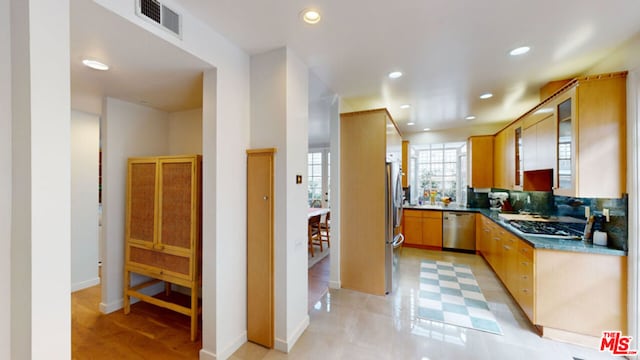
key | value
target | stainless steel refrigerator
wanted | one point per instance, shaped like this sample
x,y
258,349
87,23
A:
x,y
393,212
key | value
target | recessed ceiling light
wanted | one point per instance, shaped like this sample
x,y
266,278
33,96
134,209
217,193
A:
x,y
427,129
395,74
405,106
486,96
311,16
411,123
519,51
470,117
94,64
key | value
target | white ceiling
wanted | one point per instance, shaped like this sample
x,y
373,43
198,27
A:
x,y
450,53
144,68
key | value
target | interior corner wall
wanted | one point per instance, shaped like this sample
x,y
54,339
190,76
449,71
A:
x,y
268,130
185,132
5,181
40,218
297,129
279,118
127,130
334,148
85,137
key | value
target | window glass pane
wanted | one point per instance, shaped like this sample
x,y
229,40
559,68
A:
x,y
438,169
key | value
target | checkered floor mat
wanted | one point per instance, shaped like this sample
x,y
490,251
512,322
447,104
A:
x,y
449,293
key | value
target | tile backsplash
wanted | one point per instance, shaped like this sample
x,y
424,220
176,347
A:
x,y
545,203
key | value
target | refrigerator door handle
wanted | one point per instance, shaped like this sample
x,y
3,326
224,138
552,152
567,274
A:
x,y
398,241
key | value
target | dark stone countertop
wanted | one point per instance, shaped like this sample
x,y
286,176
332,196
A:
x,y
537,242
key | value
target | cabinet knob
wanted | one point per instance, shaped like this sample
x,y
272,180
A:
x,y
265,198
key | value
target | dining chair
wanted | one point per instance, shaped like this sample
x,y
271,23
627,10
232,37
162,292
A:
x,y
314,233
325,227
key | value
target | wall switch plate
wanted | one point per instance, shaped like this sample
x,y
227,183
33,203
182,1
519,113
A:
x,y
587,211
298,179
605,212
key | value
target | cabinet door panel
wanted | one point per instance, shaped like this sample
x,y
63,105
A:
x,y
177,208
142,185
432,231
412,230
546,143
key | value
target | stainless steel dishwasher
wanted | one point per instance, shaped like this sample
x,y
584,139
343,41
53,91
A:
x,y
459,231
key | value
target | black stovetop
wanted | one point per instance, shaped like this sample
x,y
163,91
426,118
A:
x,y
566,230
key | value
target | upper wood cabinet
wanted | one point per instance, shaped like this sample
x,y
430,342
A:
x,y
506,157
539,141
591,137
579,132
480,158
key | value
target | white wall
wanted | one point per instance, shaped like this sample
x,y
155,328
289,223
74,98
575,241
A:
x,y
85,136
297,288
40,238
185,132
5,181
279,116
225,140
128,130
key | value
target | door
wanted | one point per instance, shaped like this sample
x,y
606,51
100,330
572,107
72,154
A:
x,y
260,268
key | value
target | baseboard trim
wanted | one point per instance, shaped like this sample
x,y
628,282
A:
x,y
108,308
286,346
571,337
335,284
85,284
235,345
206,355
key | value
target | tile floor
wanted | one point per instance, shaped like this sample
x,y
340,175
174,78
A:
x,y
351,325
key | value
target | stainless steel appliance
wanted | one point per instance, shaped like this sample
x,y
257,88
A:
x,y
393,237
553,229
459,231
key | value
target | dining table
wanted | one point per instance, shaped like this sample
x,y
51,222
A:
x,y
318,211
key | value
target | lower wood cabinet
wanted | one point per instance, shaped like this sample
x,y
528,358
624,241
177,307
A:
x,y
422,228
570,296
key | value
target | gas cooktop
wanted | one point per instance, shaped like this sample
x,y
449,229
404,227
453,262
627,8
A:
x,y
556,229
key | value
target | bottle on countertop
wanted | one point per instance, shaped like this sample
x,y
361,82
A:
x,y
588,229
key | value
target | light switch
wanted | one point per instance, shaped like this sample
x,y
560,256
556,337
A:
x,y
587,211
298,179
605,212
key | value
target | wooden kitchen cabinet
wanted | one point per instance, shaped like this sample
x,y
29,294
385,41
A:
x,y
369,138
506,158
423,228
570,296
480,161
591,141
163,229
580,293
539,142
432,228
500,157
412,229
524,285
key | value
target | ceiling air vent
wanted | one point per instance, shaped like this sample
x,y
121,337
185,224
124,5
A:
x,y
158,13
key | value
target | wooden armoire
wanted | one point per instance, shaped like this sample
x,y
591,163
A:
x,y
163,230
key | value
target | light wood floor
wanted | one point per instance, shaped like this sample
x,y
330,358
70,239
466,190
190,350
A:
x,y
148,332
